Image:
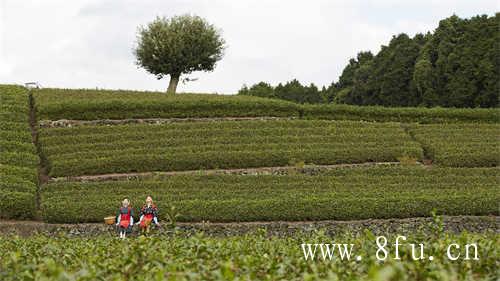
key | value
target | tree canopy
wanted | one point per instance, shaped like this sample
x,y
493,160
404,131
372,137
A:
x,y
178,45
457,65
291,91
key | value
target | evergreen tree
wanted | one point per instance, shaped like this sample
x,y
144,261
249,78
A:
x,y
459,66
385,79
456,66
294,91
261,89
344,90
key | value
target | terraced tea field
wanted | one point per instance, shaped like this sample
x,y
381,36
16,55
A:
x,y
294,140
62,151
91,150
18,157
56,104
464,145
340,194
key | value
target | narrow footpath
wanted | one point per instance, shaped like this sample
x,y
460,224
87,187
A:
x,y
42,167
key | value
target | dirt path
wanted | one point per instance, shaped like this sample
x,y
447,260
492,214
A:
x,y
308,169
42,168
456,224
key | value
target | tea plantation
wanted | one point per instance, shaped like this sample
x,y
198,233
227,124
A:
x,y
459,147
18,157
362,163
226,144
249,257
340,194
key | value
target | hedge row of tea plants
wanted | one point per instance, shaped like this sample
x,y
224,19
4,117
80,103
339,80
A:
x,y
460,145
56,104
18,158
247,257
401,114
228,144
340,194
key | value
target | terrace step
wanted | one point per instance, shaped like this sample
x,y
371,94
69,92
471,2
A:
x,y
306,169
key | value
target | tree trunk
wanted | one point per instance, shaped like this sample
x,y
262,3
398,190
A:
x,y
172,86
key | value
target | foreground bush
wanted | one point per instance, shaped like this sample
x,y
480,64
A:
x,y
249,257
341,194
229,144
18,158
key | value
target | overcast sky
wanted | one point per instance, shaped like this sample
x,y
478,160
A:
x,y
88,43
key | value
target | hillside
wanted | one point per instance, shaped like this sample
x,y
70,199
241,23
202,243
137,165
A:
x,y
159,168
236,174
236,158
81,104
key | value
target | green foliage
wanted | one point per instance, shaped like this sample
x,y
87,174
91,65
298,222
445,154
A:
x,y
290,91
244,257
178,45
456,66
384,79
18,158
401,114
464,145
347,78
17,205
261,89
172,216
459,65
228,144
25,173
341,194
15,183
294,91
55,104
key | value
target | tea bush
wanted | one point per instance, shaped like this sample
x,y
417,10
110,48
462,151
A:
x,y
18,158
341,194
401,114
247,257
228,144
55,104
460,145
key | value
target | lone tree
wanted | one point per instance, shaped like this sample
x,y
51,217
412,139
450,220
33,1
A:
x,y
178,45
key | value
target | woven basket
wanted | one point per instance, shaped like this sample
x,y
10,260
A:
x,y
109,220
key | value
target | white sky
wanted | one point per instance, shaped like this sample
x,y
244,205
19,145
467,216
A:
x,y
88,43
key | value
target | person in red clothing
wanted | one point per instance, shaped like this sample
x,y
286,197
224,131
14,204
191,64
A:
x,y
149,214
125,218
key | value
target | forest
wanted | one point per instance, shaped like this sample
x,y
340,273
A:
x,y
457,65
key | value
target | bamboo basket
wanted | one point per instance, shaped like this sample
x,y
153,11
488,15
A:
x,y
109,220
